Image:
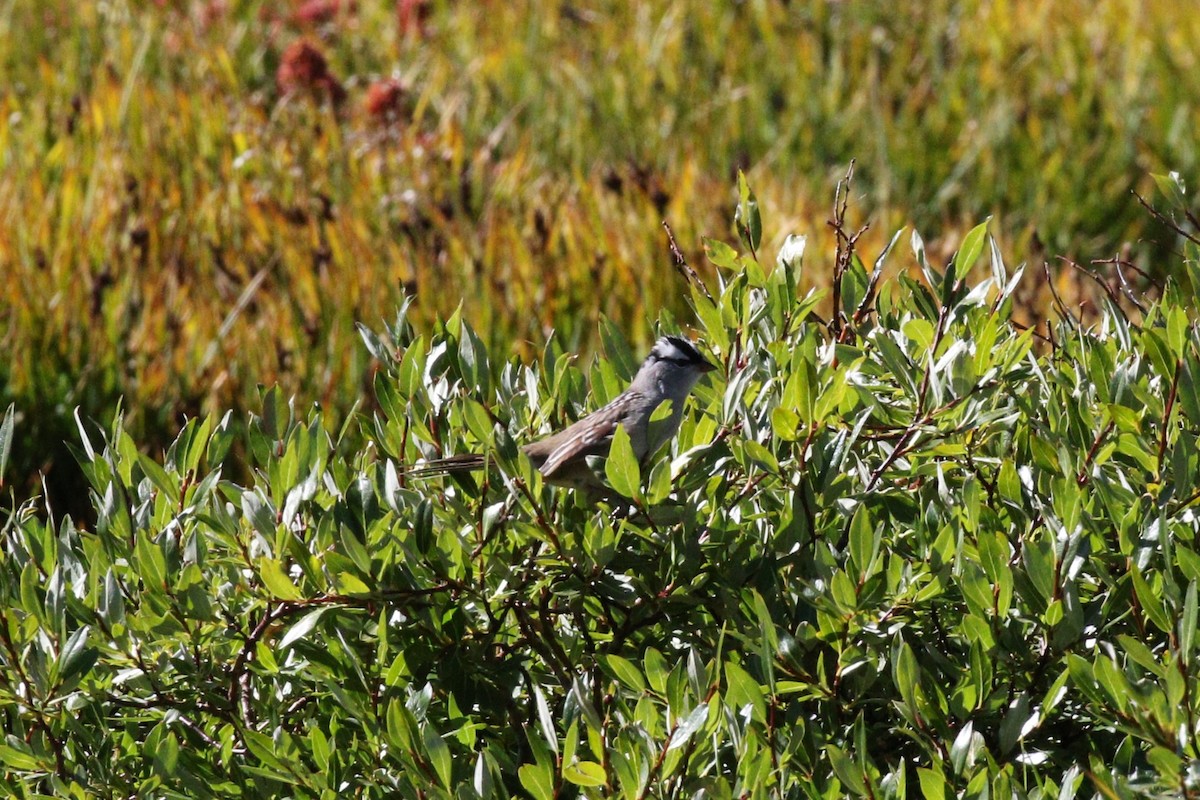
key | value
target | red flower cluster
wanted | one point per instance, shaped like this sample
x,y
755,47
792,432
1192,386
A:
x,y
304,69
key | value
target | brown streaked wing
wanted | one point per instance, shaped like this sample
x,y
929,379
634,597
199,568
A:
x,y
590,436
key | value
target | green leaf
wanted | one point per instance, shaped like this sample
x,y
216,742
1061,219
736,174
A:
x,y
933,783
659,484
744,689
88,449
693,722
1168,764
112,606
259,514
76,658
197,443
1019,720
401,725
864,540
1140,654
624,671
374,344
439,754
583,699
657,670
621,468
1112,680
746,217
302,628
277,582
847,771
545,719
1083,678
854,285
791,253
617,350
720,254
263,749
1177,331
768,635
221,440
351,584
1188,561
1187,622
760,455
905,674
920,332
799,394
21,760
159,477
150,561
662,411
962,752
785,423
538,780
1189,389
6,438
1150,601
585,773
968,252
1172,188
31,601
1038,555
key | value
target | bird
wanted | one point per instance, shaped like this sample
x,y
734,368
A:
x,y
668,374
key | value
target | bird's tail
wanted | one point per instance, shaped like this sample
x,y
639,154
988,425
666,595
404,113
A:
x,y
468,462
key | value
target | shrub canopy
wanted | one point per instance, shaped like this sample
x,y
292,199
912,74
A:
x,y
909,550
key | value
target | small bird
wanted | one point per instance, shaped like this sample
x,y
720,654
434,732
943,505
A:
x,y
668,374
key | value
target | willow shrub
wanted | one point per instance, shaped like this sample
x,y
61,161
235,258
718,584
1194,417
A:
x,y
909,550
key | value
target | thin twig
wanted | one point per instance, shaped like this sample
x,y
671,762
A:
x,y
846,244
1166,423
682,266
1127,290
1168,221
1062,307
1104,287
1082,478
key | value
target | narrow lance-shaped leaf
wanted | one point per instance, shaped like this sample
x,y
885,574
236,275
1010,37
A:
x,y
747,217
6,439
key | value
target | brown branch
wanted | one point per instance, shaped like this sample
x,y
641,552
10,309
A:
x,y
1127,290
1104,287
239,672
662,755
846,244
1082,478
682,266
1166,423
1058,301
1168,221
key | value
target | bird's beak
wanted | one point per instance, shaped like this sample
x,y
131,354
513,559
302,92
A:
x,y
707,366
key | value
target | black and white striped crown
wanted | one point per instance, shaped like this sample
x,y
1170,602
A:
x,y
677,350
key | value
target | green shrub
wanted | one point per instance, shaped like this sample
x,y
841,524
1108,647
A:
x,y
910,550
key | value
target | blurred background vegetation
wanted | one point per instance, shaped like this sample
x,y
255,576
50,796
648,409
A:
x,y
198,198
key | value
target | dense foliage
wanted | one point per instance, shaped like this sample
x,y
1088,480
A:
x,y
178,225
906,550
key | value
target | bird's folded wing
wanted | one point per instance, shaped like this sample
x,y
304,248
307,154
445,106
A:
x,y
593,441
591,436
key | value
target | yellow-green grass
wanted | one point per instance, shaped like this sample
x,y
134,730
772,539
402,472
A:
x,y
174,233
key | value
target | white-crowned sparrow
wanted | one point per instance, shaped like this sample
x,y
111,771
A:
x,y
668,374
